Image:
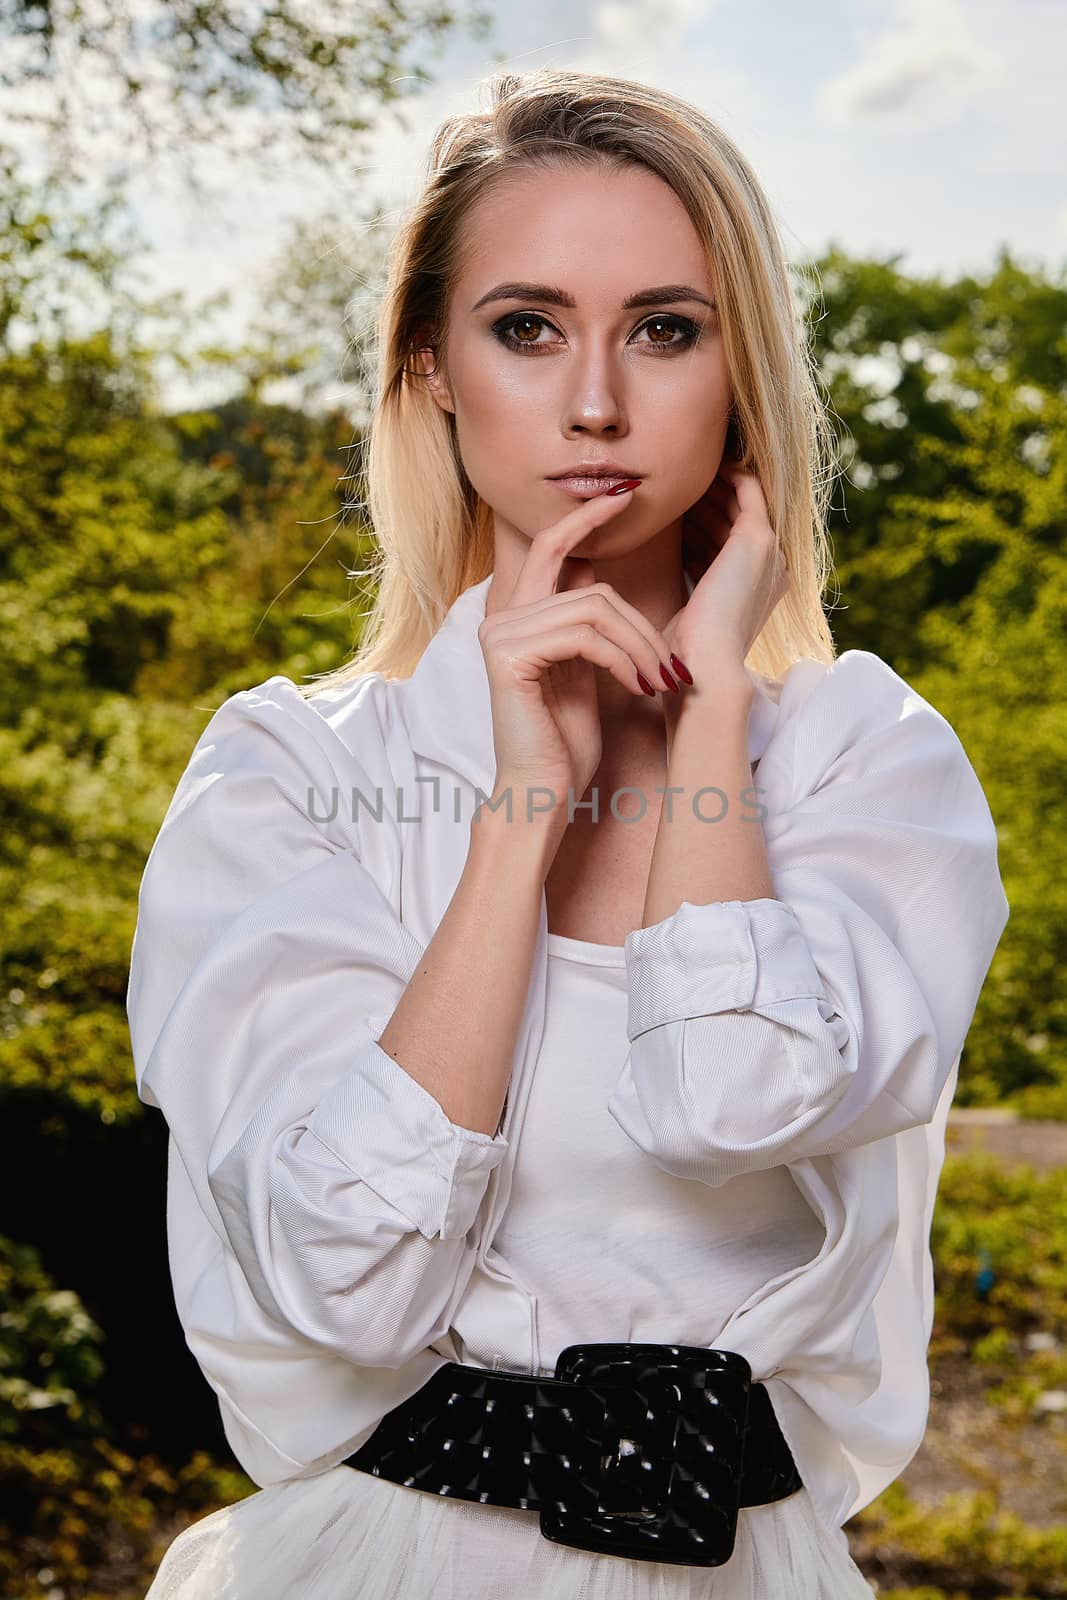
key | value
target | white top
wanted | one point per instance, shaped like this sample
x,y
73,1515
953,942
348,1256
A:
x,y
328,1225
642,1255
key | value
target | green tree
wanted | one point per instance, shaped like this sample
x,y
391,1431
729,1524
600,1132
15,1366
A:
x,y
212,77
950,555
897,354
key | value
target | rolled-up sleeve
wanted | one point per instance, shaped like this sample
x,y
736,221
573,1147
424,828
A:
x,y
266,962
771,1030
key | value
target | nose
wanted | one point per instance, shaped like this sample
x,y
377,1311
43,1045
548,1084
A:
x,y
594,400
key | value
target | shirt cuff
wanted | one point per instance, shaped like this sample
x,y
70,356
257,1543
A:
x,y
394,1135
729,955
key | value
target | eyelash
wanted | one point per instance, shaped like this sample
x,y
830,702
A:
x,y
683,325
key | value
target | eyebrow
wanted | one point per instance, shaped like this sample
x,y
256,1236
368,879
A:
x,y
666,294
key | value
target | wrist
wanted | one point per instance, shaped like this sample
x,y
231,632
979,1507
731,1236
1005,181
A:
x,y
716,690
504,831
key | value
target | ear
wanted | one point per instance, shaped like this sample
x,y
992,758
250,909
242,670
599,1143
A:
x,y
424,362
434,380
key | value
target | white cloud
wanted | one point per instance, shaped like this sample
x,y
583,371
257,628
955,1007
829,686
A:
x,y
847,159
920,72
652,26
1025,123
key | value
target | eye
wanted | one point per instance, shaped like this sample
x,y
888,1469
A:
x,y
688,331
503,330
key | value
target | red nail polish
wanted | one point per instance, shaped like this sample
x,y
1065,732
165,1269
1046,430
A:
x,y
643,681
668,680
681,669
621,488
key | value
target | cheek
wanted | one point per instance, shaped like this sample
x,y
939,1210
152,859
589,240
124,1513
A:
x,y
501,424
487,382
702,392
686,410
498,449
493,418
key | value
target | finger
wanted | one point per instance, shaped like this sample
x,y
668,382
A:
x,y
598,607
657,657
748,490
541,566
651,634
532,656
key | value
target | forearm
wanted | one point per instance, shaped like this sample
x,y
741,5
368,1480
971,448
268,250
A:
x,y
456,1025
709,846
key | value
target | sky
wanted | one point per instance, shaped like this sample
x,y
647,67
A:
x,y
930,128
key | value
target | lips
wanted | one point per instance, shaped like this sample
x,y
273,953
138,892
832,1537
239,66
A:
x,y
597,469
586,485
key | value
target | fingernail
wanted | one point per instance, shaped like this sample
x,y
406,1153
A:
x,y
642,680
668,680
621,488
681,669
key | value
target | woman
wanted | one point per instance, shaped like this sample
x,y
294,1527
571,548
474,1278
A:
x,y
557,1083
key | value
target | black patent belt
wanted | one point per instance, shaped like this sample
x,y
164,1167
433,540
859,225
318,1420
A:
x,y
639,1450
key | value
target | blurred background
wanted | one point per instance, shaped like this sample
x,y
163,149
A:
x,y
195,200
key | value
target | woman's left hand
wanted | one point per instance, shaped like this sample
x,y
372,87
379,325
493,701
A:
x,y
743,580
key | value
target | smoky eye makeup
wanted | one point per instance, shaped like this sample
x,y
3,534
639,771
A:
x,y
687,333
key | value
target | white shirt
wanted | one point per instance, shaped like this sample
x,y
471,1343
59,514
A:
x,y
609,1244
328,1225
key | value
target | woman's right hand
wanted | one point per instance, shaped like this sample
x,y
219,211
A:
x,y
540,652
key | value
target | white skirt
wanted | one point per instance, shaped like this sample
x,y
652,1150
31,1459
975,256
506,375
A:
x,y
347,1535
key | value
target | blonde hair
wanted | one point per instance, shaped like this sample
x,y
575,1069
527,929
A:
x,y
434,532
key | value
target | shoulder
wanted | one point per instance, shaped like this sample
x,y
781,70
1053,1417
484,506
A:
x,y
270,749
354,717
863,736
881,809
865,690
857,685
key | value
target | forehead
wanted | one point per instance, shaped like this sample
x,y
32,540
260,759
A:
x,y
597,231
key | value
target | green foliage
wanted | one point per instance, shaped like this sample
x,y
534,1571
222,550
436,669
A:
x,y
952,567
1014,1220
966,1541
926,1591
1019,1392
213,77
73,1501
95,1519
49,1351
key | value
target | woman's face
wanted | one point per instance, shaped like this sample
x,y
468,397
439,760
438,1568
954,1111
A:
x,y
536,386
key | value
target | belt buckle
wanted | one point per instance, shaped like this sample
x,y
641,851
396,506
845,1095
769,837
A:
x,y
656,1476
